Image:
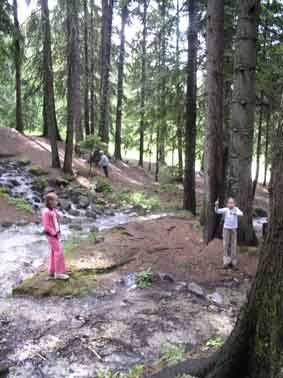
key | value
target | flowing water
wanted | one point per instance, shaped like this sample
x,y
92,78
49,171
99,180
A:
x,y
116,328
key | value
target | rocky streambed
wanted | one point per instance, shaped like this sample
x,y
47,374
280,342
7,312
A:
x,y
115,328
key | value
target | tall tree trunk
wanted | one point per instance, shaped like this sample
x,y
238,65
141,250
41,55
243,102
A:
x,y
143,81
258,145
254,349
190,122
106,36
179,95
18,68
86,70
120,87
49,111
73,84
92,70
213,161
229,34
239,182
259,135
163,111
266,149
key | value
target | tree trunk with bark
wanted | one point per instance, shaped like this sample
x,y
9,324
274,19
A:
x,y
190,121
266,148
86,69
18,68
73,83
163,110
239,182
258,145
179,95
106,37
49,111
254,349
213,161
143,82
120,86
92,70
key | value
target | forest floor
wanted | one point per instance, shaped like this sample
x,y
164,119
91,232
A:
x,y
151,280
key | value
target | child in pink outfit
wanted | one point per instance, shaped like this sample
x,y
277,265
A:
x,y
51,225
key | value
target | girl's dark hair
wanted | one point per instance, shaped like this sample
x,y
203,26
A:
x,y
49,197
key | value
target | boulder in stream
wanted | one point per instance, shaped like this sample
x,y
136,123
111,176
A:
x,y
196,289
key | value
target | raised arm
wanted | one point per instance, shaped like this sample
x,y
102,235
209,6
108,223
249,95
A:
x,y
219,211
239,212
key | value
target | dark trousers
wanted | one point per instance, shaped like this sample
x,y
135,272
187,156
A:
x,y
105,169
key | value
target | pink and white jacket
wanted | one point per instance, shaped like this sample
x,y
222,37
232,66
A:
x,y
50,222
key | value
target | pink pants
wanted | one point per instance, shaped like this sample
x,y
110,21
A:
x,y
56,260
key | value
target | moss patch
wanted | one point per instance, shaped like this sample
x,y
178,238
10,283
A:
x,y
80,283
19,203
40,183
36,170
86,266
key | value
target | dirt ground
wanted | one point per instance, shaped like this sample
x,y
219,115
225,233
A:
x,y
170,245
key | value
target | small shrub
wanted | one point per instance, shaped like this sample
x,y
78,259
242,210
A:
x,y
144,279
213,343
146,203
36,170
93,143
174,354
101,184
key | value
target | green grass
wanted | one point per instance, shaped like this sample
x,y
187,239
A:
x,y
134,372
144,279
174,354
137,199
213,343
19,203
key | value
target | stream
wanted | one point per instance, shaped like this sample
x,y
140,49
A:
x,y
116,328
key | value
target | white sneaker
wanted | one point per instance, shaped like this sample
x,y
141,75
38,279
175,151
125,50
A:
x,y
60,276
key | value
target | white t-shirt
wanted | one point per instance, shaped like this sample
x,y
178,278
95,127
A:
x,y
230,217
104,161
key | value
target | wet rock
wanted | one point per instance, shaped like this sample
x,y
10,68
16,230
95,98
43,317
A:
x,y
109,212
90,214
6,224
15,182
94,229
76,226
21,222
23,162
196,289
181,287
167,277
83,202
215,298
74,212
65,220
65,204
